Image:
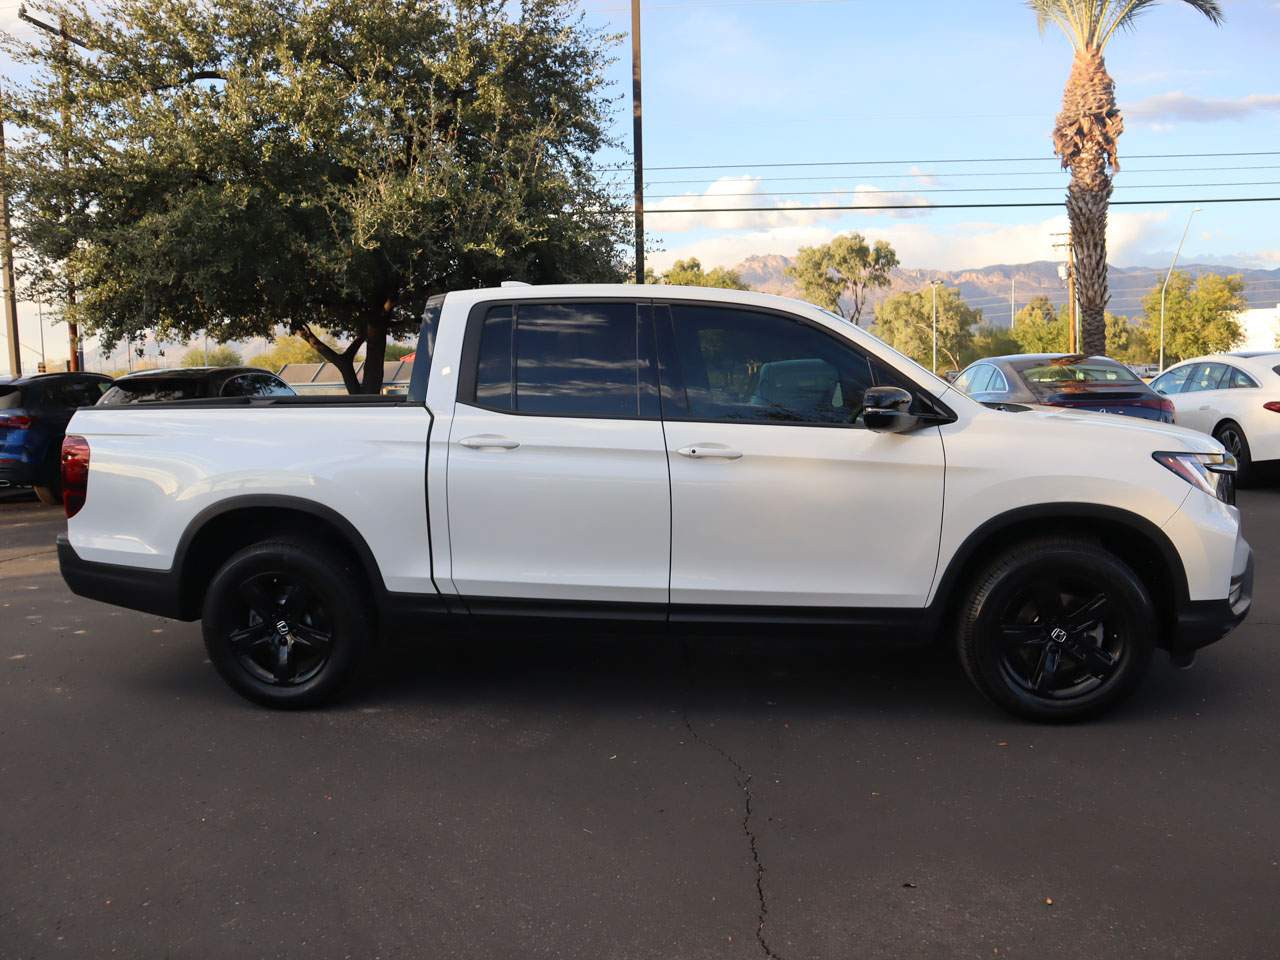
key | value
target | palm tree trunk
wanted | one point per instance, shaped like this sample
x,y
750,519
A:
x,y
1085,138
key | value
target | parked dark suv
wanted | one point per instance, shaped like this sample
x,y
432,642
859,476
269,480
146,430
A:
x,y
34,412
195,383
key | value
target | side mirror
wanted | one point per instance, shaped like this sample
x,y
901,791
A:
x,y
888,410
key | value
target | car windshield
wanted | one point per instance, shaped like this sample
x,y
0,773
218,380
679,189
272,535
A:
x,y
1058,373
150,390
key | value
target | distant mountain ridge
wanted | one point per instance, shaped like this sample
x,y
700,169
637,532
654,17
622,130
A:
x,y
988,288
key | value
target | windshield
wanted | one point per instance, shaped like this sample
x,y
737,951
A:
x,y
150,390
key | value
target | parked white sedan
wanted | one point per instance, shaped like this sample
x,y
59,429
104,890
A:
x,y
1233,396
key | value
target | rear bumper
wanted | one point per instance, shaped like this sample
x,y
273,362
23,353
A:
x,y
1200,623
151,591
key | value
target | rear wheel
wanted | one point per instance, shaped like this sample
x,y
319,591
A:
x,y
1232,437
1057,630
286,622
49,496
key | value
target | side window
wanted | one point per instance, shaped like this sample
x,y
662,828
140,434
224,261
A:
x,y
562,359
1204,376
998,382
1237,378
1171,382
963,381
744,365
256,385
982,379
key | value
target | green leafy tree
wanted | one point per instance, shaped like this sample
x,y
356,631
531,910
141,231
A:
x,y
1200,315
1039,327
689,273
286,350
905,322
396,351
1126,341
1085,136
839,275
219,356
322,165
989,341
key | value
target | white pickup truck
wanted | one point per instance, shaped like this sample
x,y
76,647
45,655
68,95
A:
x,y
680,455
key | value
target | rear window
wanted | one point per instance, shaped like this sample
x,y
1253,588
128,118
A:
x,y
150,390
70,394
10,397
1058,373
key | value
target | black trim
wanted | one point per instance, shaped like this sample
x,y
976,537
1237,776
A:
x,y
420,376
135,588
323,400
1202,622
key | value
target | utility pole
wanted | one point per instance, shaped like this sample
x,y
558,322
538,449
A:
x,y
1165,286
65,39
933,285
637,138
6,250
1012,283
1070,278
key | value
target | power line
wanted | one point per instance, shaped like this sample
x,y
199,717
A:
x,y
818,193
924,174
902,163
944,206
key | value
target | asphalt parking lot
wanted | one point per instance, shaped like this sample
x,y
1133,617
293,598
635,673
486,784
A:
x,y
531,796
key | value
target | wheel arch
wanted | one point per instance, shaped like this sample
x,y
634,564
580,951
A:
x,y
1133,538
220,530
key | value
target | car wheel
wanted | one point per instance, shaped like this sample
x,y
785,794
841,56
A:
x,y
1057,630
1232,437
286,622
49,496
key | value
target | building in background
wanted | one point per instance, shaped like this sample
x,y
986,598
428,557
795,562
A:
x,y
1261,328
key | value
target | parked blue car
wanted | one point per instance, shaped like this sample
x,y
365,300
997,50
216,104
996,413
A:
x,y
34,413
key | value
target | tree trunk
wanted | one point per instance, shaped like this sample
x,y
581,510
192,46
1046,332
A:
x,y
375,352
344,361
1084,136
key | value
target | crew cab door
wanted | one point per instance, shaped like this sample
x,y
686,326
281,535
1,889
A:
x,y
557,474
780,495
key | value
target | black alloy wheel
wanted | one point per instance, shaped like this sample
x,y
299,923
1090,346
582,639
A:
x,y
1057,629
1232,437
286,622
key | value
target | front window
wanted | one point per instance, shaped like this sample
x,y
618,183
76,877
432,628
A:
x,y
1171,382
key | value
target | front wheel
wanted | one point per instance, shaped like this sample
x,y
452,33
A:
x,y
1057,630
286,622
1232,437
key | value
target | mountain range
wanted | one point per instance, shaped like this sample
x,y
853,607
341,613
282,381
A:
x,y
989,288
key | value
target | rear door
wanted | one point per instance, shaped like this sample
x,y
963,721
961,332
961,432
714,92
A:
x,y
780,495
557,478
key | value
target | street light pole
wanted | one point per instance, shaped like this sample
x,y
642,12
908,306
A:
x,y
1165,286
637,138
6,251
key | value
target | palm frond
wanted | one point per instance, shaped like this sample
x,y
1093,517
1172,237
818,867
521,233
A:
x,y
1065,14
1130,11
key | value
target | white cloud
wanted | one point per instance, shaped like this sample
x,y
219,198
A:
x,y
924,179
944,247
1181,106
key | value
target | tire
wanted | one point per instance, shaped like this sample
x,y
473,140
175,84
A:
x,y
1231,436
287,622
49,496
1057,630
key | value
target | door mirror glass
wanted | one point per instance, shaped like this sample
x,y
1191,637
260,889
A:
x,y
888,410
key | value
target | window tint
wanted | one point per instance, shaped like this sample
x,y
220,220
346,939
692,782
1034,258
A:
x,y
256,385
1204,376
1089,371
69,394
1171,382
150,390
1237,378
741,365
561,359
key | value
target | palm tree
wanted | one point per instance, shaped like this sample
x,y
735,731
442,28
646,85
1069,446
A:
x,y
1085,136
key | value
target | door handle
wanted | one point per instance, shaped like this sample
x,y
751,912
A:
x,y
487,441
1205,407
709,451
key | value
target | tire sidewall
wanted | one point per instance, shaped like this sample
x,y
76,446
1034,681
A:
x,y
1244,459
981,645
324,573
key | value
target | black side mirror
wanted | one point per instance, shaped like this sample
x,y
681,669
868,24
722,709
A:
x,y
888,410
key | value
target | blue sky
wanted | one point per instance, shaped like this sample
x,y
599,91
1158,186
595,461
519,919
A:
x,y
749,82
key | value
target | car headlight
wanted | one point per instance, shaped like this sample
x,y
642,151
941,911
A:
x,y
1214,473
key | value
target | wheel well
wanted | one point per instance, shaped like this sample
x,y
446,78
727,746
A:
x,y
1162,576
1218,426
225,534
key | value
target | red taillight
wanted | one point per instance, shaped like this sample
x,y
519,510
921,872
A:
x,y
1167,406
1272,405
75,473
15,423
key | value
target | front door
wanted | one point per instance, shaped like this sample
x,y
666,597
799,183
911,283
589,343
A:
x,y
557,474
780,496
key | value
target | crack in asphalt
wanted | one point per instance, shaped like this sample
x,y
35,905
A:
x,y
27,556
743,780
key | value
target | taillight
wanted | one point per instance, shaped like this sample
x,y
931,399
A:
x,y
1167,406
1272,405
16,423
75,473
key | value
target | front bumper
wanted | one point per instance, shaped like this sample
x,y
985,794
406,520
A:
x,y
1202,622
151,591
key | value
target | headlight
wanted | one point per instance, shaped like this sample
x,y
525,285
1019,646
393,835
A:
x,y
1214,473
